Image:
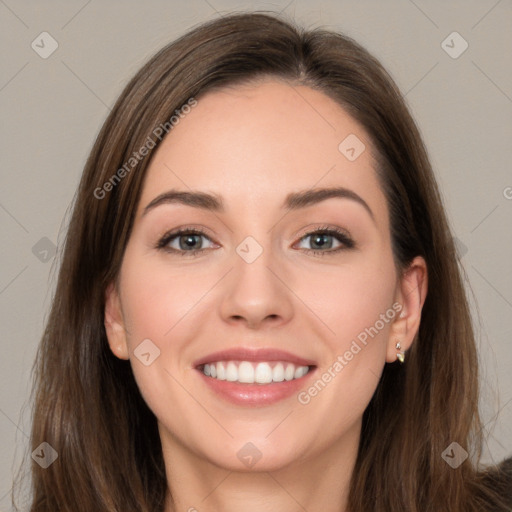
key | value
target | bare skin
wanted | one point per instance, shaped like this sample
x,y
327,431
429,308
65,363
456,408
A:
x,y
253,145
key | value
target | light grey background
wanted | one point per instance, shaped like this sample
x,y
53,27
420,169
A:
x,y
53,108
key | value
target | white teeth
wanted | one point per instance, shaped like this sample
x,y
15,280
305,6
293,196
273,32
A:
x,y
231,372
299,372
263,373
250,373
278,373
245,372
221,371
289,372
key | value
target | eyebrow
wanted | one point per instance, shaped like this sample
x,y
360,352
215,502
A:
x,y
293,201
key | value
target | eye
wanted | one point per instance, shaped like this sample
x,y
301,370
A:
x,y
184,241
187,241
321,240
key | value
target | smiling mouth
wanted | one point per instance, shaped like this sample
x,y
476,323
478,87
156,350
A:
x,y
252,372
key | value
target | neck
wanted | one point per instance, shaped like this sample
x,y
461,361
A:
x,y
318,482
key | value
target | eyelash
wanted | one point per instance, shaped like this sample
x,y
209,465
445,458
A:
x,y
347,242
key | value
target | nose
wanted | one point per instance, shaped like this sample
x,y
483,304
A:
x,y
257,293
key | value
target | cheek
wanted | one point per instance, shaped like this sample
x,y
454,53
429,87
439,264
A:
x,y
156,299
357,307
349,299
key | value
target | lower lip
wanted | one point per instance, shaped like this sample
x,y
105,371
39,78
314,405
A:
x,y
256,394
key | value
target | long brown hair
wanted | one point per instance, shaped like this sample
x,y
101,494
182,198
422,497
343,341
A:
x,y
86,402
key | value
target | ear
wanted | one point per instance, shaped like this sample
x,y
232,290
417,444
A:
x,y
114,323
410,294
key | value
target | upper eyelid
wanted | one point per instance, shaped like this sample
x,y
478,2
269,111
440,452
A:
x,y
309,230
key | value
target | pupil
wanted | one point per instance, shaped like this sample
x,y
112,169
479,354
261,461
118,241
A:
x,y
189,240
319,237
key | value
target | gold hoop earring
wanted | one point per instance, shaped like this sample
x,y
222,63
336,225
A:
x,y
400,355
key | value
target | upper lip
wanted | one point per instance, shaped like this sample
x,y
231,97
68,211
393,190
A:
x,y
248,354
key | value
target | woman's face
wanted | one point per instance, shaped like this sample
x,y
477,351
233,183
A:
x,y
254,283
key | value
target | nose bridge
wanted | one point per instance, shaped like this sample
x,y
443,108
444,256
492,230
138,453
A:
x,y
255,291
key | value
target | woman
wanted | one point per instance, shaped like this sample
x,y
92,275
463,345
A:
x,y
201,355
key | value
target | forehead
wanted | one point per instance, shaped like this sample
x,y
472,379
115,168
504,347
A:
x,y
254,144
